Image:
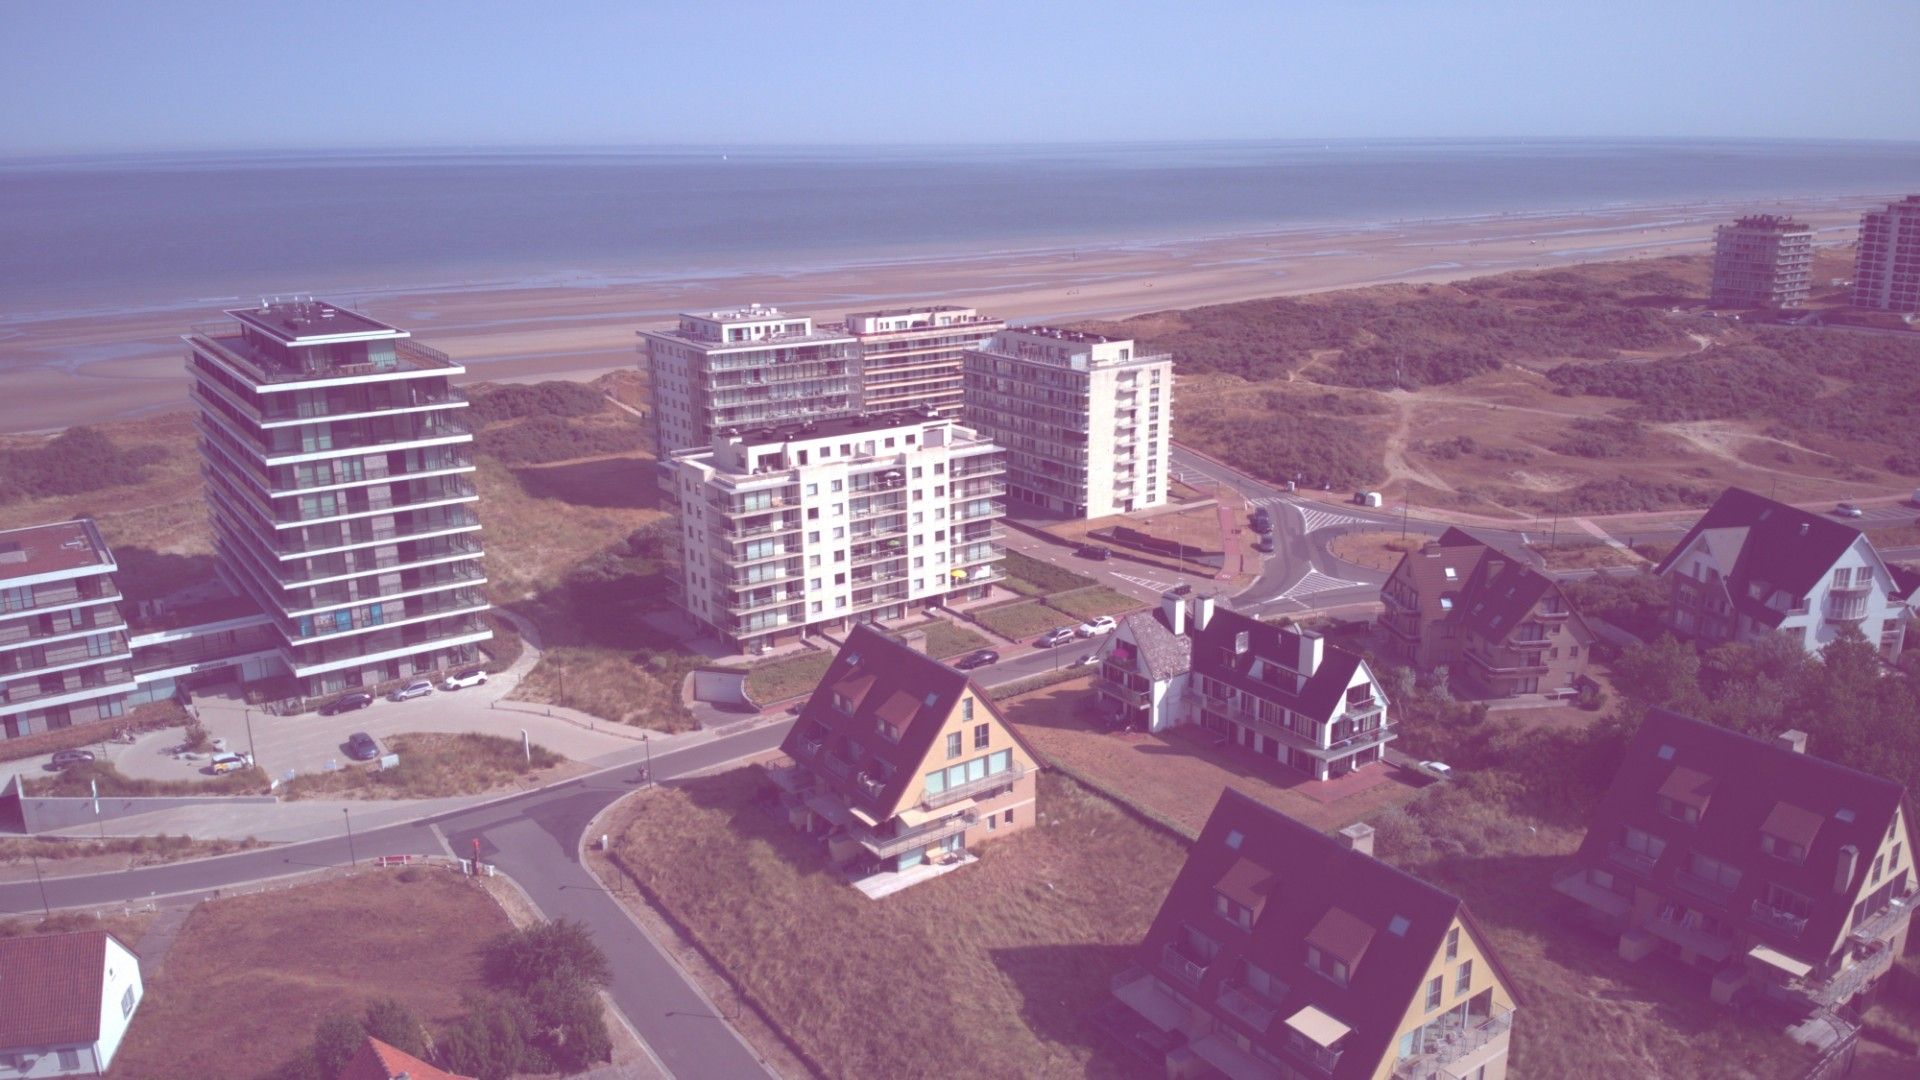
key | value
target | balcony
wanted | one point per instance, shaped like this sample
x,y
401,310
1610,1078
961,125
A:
x,y
1188,969
885,847
748,604
879,554
765,528
1851,608
1780,919
1444,1048
1882,925
956,792
1639,861
1248,1005
221,340
1505,668
877,507
1688,881
992,509
1123,693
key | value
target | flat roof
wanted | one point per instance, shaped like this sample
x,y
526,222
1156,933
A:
x,y
50,549
928,309
1078,337
295,321
856,424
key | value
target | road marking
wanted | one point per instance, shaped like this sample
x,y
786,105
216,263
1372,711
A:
x,y
1146,583
1317,582
1326,519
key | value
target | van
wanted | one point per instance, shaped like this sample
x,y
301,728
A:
x,y
1367,498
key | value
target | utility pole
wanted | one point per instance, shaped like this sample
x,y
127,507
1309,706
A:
x,y
352,859
648,744
251,759
45,908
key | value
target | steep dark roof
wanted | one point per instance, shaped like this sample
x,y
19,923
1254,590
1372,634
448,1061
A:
x,y
1500,595
1162,653
1314,887
1426,568
1787,548
1322,695
1750,785
888,682
50,988
1905,581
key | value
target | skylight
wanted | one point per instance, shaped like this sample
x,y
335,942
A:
x,y
1234,839
1665,753
932,697
1451,576
1845,813
1398,926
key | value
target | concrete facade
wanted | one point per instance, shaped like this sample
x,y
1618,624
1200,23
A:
x,y
746,368
836,522
1762,261
64,654
1085,419
1886,270
912,358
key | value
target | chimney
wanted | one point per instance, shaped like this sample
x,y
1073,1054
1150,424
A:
x,y
1312,648
1844,867
913,639
1175,610
1793,741
1202,612
1358,837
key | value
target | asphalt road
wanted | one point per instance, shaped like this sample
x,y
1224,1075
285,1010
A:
x,y
535,839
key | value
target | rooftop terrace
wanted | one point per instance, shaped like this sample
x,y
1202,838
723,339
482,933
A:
x,y
297,322
50,549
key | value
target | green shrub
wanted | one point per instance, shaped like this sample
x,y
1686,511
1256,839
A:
x,y
74,462
543,439
515,401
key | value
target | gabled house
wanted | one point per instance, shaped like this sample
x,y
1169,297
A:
x,y
1752,567
1281,953
1279,691
900,765
1517,634
65,1002
1421,592
1782,875
376,1060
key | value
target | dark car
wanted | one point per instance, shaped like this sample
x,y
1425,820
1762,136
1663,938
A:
x,y
1264,544
1093,551
361,747
1183,589
1261,521
346,703
67,759
978,658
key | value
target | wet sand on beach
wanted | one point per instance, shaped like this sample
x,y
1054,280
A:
x,y
57,372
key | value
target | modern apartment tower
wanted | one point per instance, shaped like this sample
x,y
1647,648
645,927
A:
x,y
912,358
338,476
1886,272
835,522
64,657
1083,419
1762,261
746,368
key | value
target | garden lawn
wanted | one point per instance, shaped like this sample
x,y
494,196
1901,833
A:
x,y
1033,577
789,676
1088,603
1022,620
435,765
987,971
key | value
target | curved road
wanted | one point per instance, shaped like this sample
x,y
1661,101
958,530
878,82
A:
x,y
534,838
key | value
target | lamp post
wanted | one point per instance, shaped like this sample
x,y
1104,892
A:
x,y
352,859
648,744
251,758
45,908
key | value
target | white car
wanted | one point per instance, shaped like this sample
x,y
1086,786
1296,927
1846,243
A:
x,y
1095,627
1438,768
463,678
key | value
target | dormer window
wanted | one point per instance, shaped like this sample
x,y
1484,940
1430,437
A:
x,y
1782,849
1326,965
1679,811
1684,795
1234,912
843,704
1788,832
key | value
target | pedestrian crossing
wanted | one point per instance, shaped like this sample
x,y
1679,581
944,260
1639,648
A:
x,y
1316,582
1145,582
1326,519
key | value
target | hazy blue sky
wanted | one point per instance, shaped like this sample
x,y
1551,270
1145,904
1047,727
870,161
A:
x,y
80,76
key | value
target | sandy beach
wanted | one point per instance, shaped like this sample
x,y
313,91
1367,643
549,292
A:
x,y
62,371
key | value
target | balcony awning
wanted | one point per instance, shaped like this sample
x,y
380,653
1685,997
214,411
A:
x,y
864,817
914,817
1323,1030
1776,959
823,804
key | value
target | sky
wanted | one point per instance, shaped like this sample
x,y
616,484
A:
x,y
81,76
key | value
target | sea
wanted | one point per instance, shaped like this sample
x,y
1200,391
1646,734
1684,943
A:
x,y
114,234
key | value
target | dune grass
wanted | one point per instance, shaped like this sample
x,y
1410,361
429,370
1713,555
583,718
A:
x,y
433,765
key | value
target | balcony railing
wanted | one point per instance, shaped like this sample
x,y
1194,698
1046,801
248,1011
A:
x,y
1450,1047
1702,887
223,340
1884,922
1631,859
932,832
1122,691
1247,1004
1779,918
954,793
1189,970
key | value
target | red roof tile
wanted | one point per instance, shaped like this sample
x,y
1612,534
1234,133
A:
x,y
50,987
378,1061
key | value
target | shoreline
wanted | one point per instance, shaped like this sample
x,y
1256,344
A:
x,y
65,369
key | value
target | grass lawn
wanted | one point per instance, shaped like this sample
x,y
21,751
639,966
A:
x,y
789,676
1087,603
125,852
1177,778
433,765
1194,528
1022,620
946,638
987,971
78,781
1033,577
1576,556
612,684
250,977
1374,550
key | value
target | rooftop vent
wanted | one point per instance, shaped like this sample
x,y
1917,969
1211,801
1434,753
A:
x,y
1845,814
1358,837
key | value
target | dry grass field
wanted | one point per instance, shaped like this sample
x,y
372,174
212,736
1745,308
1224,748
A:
x,y
987,971
433,765
249,977
1374,550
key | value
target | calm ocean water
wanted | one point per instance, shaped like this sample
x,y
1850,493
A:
x,y
103,235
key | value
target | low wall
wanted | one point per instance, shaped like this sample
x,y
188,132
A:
x,y
23,814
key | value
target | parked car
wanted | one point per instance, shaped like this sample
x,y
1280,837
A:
x,y
1264,544
361,747
464,678
1261,521
346,703
1185,588
227,763
978,658
67,759
1440,768
1093,551
1367,498
1088,660
414,689
1848,510
1094,627
1059,635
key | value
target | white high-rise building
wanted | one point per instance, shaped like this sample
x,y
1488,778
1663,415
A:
x,y
912,358
338,476
1762,261
833,522
745,368
1886,272
1085,420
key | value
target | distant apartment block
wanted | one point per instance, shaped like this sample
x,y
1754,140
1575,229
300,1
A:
x,y
338,476
912,358
1500,627
64,654
902,766
1281,953
835,522
1752,568
1762,261
1280,692
745,368
1085,419
1886,270
1789,879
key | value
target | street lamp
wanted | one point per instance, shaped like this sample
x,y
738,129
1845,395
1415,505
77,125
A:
x,y
45,908
648,744
252,759
351,857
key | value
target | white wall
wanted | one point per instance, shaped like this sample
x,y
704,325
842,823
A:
x,y
122,975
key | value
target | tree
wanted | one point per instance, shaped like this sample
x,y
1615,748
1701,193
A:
x,y
335,1041
1664,674
490,1042
394,1024
518,959
571,1027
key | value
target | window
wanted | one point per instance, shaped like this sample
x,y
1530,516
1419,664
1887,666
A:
x,y
1234,839
1009,817
69,1059
999,762
126,1003
1463,978
1879,866
993,822
1453,943
1644,843
980,743
1782,849
1327,965
1679,811
1236,913
953,745
1433,992
1713,871
966,708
